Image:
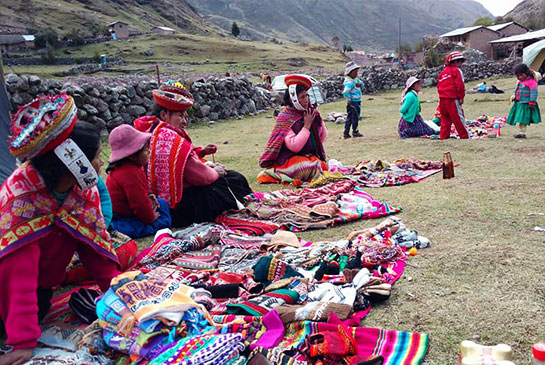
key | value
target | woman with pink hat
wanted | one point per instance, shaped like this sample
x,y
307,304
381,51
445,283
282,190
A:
x,y
411,123
295,150
50,209
137,212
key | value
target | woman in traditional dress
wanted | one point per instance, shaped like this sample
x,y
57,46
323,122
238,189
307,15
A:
x,y
196,191
295,150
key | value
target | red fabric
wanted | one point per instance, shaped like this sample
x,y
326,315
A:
x,y
450,83
449,115
197,173
128,188
44,265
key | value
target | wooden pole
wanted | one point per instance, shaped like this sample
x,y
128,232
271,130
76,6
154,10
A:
x,y
158,75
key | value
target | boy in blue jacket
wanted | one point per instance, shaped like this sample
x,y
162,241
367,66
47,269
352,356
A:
x,y
352,94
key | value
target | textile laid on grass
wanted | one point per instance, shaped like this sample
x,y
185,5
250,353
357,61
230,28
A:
x,y
379,173
308,208
207,295
482,127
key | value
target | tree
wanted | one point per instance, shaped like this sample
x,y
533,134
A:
x,y
484,20
235,29
48,55
46,36
406,48
419,46
347,48
432,59
335,41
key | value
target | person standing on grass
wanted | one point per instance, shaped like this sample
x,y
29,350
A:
x,y
525,110
352,93
451,89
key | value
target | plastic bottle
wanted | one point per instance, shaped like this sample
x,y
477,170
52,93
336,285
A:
x,y
538,353
448,166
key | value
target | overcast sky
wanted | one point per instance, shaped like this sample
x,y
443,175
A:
x,y
499,7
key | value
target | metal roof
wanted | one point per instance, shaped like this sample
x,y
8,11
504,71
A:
x,y
500,26
11,39
29,37
461,31
538,34
164,28
116,22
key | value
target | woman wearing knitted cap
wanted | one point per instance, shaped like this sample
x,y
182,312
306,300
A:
x,y
451,89
50,209
295,150
411,123
195,191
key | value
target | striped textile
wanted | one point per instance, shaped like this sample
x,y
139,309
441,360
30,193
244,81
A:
x,y
526,91
301,168
284,122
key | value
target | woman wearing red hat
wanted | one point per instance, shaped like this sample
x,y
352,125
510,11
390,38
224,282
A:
x,y
195,191
295,150
50,209
451,89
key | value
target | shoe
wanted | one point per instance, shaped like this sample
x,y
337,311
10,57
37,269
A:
x,y
346,136
356,134
520,135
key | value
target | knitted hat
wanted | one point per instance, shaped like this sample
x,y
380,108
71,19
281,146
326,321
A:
x,y
42,125
173,96
269,269
125,140
349,67
454,56
302,80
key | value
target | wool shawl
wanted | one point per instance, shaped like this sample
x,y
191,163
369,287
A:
x,y
29,212
284,123
169,153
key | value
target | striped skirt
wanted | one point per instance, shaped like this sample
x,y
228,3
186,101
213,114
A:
x,y
295,169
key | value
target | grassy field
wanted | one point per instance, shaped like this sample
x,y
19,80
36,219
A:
x,y
186,53
482,278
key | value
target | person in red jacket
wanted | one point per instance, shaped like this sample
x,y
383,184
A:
x,y
137,212
451,88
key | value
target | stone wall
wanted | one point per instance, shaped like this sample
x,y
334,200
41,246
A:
x,y
108,104
378,79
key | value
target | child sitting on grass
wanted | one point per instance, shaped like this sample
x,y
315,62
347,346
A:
x,y
525,111
411,123
137,212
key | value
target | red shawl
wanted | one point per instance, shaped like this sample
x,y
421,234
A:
x,y
28,212
169,153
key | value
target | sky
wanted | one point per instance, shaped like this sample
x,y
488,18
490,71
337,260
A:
x,y
499,7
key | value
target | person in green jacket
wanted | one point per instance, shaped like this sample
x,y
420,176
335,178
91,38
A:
x,y
411,123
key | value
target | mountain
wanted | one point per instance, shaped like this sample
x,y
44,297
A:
x,y
371,24
90,16
528,10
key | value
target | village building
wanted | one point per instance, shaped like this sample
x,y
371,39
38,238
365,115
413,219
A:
x,y
516,43
15,42
477,37
119,30
509,29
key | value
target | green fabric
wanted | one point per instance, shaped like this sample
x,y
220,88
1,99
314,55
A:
x,y
521,113
61,197
410,107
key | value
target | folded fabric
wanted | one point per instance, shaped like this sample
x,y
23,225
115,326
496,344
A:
x,y
83,304
269,269
274,334
313,311
327,292
261,305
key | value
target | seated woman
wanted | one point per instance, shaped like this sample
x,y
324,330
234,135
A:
x,y
295,150
136,211
411,123
195,191
50,209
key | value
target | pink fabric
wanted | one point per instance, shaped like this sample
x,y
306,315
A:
x,y
274,334
44,265
295,142
197,173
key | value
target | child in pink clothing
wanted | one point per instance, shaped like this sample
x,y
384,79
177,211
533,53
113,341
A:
x,y
51,209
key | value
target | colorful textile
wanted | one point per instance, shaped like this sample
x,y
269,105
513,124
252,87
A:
x,y
60,310
399,172
169,153
157,295
29,212
526,91
285,122
294,171
351,92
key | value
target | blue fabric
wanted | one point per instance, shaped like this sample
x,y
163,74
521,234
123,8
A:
x,y
134,228
105,202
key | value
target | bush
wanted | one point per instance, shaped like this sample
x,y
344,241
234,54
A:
x,y
347,48
48,55
484,20
75,38
46,36
432,59
235,30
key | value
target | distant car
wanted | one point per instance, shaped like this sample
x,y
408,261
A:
x,y
278,88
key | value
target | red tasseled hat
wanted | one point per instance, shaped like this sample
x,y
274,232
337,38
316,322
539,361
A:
x,y
298,80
